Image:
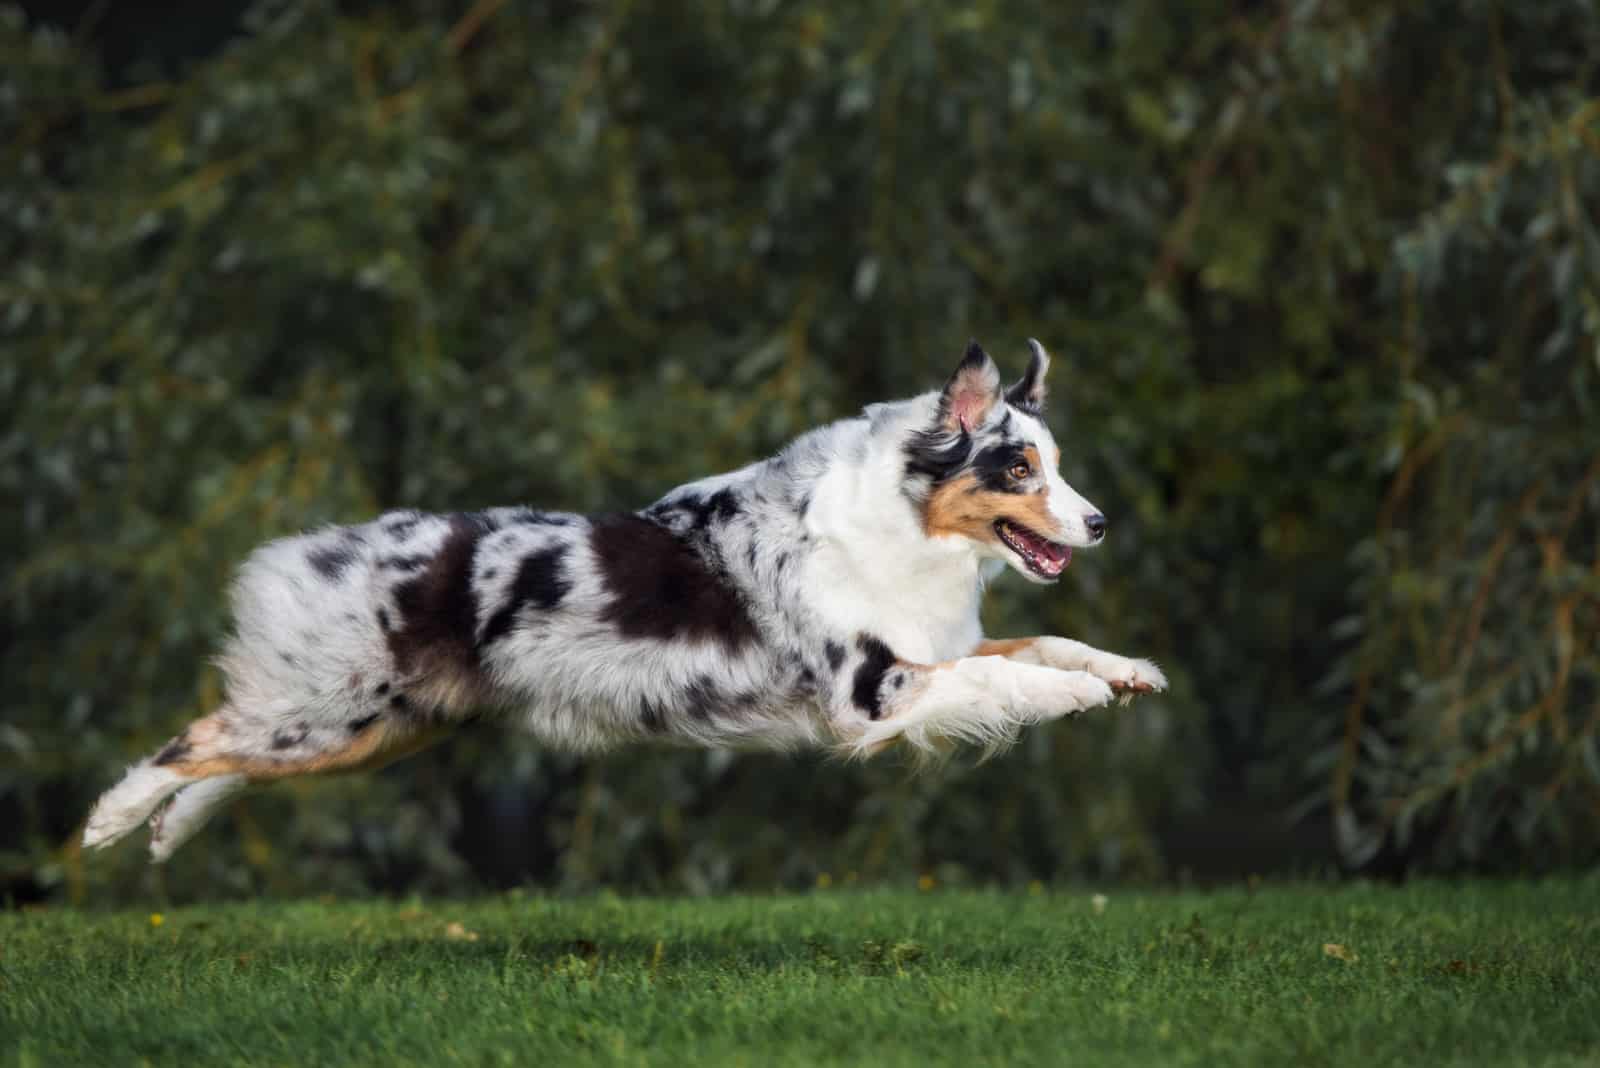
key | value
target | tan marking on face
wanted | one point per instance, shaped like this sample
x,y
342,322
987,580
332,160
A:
x,y
963,507
1031,454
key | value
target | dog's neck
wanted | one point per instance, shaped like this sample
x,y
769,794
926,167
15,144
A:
x,y
874,555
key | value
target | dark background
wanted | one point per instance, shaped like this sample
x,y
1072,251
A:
x,y
1322,281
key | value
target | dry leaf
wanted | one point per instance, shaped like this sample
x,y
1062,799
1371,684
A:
x,y
457,931
1338,952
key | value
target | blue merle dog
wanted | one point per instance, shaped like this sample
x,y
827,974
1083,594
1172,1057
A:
x,y
825,597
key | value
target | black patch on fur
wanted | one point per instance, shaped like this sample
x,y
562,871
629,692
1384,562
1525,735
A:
x,y
414,562
401,527
288,658
398,701
438,608
835,653
489,573
330,561
703,698
173,751
383,688
1027,394
750,556
876,661
662,588
724,505
803,506
973,358
383,619
356,726
532,517
937,454
541,581
653,715
992,466
701,512
897,680
291,737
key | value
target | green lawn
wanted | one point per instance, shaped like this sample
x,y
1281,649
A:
x,y
1479,973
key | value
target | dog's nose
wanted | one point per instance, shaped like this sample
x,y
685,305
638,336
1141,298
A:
x,y
1096,524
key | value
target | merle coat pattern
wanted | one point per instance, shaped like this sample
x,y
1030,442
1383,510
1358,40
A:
x,y
825,597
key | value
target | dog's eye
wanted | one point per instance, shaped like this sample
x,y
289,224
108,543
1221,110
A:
x,y
1021,470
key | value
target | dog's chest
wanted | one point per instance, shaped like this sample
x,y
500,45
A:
x,y
924,617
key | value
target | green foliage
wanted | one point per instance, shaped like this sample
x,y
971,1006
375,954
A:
x,y
1429,974
1322,282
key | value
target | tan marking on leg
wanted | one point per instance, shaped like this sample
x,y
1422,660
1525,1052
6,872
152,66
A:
x,y
1006,647
379,744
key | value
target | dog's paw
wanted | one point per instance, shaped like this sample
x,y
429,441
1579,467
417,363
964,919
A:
x,y
109,823
1080,691
1127,676
128,804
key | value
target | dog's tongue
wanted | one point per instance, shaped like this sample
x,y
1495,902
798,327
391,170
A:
x,y
1050,557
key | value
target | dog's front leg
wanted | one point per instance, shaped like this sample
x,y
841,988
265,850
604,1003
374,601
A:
x,y
984,700
1124,674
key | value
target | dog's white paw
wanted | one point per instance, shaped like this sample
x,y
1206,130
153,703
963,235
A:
x,y
103,828
128,804
108,823
1129,676
1079,691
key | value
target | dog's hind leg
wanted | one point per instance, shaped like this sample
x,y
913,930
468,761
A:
x,y
240,749
134,799
189,810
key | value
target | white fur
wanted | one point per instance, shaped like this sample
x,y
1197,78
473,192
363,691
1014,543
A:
x,y
188,811
129,803
873,570
1069,655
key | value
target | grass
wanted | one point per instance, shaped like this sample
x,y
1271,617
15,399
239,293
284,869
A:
x,y
1432,974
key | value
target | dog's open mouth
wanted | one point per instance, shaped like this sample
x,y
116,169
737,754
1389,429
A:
x,y
1044,557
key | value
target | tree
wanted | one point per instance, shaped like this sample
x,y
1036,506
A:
x,y
1321,282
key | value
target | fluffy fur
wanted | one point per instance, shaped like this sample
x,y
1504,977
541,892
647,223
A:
x,y
826,597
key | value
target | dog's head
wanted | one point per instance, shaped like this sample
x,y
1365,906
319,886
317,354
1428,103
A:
x,y
985,470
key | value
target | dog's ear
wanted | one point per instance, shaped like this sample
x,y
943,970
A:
x,y
972,392
1028,393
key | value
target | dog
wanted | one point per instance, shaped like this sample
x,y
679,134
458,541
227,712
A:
x,y
825,597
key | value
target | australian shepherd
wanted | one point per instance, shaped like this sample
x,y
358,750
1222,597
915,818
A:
x,y
825,597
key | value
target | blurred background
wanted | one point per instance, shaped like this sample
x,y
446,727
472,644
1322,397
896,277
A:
x,y
1322,281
